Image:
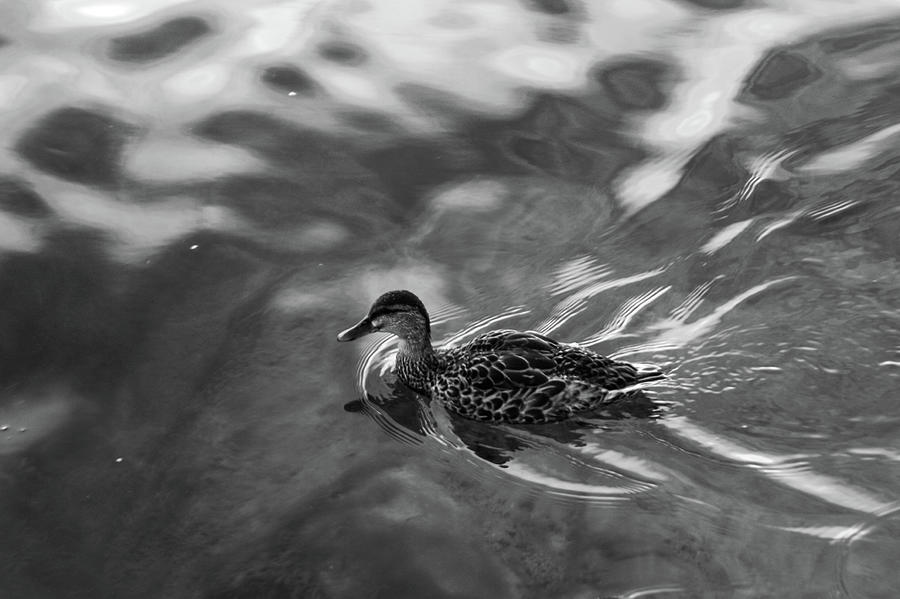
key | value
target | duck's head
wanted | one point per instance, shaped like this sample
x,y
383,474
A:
x,y
397,312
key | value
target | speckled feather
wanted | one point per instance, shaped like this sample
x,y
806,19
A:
x,y
522,377
501,376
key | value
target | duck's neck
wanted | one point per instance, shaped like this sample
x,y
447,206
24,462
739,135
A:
x,y
417,348
416,362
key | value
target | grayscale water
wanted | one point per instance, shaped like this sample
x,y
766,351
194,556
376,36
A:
x,y
195,197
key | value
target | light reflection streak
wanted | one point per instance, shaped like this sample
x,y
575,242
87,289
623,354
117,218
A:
x,y
626,314
852,156
588,492
725,236
767,166
578,273
681,334
789,471
577,302
687,307
484,323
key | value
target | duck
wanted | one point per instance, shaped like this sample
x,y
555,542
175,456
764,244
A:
x,y
502,376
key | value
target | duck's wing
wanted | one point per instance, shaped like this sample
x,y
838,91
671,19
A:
x,y
509,384
513,341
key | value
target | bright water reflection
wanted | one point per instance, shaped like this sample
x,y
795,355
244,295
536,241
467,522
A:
x,y
195,197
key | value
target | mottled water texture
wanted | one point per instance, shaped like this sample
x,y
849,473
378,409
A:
x,y
195,198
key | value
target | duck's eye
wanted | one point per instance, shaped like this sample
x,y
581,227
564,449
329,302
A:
x,y
377,322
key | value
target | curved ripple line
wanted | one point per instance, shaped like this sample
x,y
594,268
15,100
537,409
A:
x,y
857,533
369,359
377,357
682,333
828,210
396,431
485,322
578,273
650,591
825,488
586,492
643,348
766,166
690,304
561,314
777,224
445,313
629,310
635,465
577,302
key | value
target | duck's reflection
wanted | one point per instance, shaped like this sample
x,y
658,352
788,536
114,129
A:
x,y
406,415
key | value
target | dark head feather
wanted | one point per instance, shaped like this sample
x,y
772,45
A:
x,y
399,301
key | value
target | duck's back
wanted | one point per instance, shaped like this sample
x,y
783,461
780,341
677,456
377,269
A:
x,y
515,376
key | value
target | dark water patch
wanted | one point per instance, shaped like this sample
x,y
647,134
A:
x,y
276,203
109,479
280,203
862,39
714,170
636,84
884,231
371,121
410,167
562,32
719,4
347,540
185,300
768,196
781,74
18,197
67,320
44,538
278,140
882,108
324,170
191,267
648,234
79,145
163,40
453,111
289,79
266,201
874,108
550,7
343,53
789,83
565,138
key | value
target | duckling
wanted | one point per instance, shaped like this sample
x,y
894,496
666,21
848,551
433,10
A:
x,y
503,376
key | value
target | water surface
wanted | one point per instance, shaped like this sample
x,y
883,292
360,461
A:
x,y
196,196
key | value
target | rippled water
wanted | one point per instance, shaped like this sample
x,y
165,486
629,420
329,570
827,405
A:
x,y
195,197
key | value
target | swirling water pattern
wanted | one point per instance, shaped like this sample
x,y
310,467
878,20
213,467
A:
x,y
195,197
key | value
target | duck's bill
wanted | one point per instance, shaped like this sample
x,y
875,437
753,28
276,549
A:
x,y
363,327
